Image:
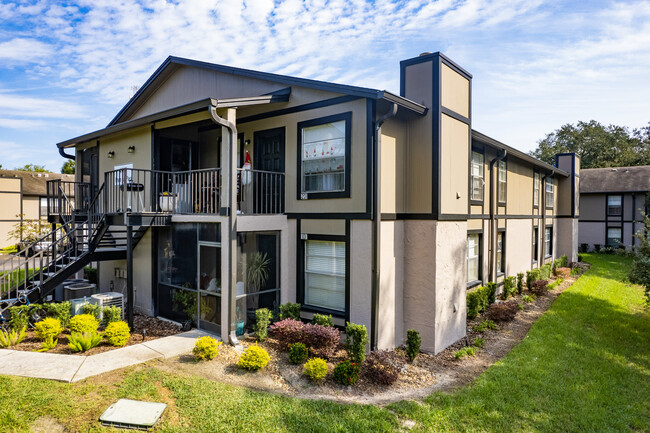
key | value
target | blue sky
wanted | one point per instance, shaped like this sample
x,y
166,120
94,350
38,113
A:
x,y
67,68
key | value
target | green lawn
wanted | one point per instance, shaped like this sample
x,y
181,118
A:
x,y
584,366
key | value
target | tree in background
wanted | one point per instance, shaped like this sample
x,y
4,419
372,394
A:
x,y
33,167
597,145
68,167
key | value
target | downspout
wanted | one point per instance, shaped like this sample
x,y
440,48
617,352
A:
x,y
232,224
376,222
65,155
493,222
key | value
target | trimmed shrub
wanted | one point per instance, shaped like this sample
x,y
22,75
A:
x,y
92,309
321,340
502,312
474,303
563,261
206,348
80,342
316,369
48,328
262,320
356,339
59,311
509,287
545,272
539,287
584,248
111,314
346,373
83,323
465,351
254,358
117,333
19,317
597,248
491,292
383,367
290,311
520,282
298,353
323,320
413,342
563,272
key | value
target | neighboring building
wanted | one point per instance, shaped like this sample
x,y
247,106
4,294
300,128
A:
x,y
363,202
23,195
613,201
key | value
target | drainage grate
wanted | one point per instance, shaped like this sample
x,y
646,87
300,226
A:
x,y
132,414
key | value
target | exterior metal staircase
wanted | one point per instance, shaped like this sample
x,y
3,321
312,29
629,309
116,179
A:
x,y
80,235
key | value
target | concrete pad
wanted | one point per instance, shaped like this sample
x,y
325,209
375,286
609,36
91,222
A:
x,y
175,345
118,358
41,365
4,352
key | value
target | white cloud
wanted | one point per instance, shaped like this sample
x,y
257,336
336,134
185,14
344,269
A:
x,y
24,50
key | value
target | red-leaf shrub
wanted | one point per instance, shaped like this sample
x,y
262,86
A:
x,y
321,340
539,287
563,272
503,311
383,367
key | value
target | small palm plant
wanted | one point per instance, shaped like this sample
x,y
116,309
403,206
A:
x,y
258,271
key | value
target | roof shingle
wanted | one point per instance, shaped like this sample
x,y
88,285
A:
x,y
615,179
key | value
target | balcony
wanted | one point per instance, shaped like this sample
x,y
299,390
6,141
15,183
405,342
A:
x,y
195,192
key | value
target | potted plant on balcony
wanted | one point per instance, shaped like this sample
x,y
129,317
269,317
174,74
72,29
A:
x,y
167,201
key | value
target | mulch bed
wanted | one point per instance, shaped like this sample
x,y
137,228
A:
x,y
154,329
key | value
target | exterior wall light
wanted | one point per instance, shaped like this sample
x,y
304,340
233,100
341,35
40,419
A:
x,y
111,154
131,149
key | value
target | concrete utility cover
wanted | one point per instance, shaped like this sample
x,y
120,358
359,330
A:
x,y
141,415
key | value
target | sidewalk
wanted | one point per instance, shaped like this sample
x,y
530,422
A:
x,y
73,368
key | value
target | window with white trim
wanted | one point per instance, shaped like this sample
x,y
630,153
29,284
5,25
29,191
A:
x,y
536,181
501,183
501,237
325,274
550,193
324,155
614,205
473,257
477,176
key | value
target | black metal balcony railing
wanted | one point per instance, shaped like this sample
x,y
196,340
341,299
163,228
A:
x,y
65,197
260,192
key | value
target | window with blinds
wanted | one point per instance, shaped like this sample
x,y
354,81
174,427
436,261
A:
x,y
536,182
325,274
550,193
614,205
477,176
501,184
473,257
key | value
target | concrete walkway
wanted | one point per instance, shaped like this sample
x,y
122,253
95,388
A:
x,y
73,368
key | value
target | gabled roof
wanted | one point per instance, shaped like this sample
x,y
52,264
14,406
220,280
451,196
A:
x,y
516,153
35,183
615,179
172,63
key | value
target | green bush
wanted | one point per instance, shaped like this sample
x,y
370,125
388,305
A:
x,y
555,283
83,323
298,353
262,321
356,339
316,369
90,274
11,338
465,351
254,358
413,342
528,298
520,282
479,342
117,333
474,303
206,348
346,372
59,311
19,317
80,342
323,320
111,314
48,344
290,311
563,261
491,288
509,287
92,309
544,272
484,325
48,328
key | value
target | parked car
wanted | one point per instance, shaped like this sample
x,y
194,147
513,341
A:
x,y
32,249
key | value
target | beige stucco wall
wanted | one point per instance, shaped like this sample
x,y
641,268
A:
x,y
119,143
455,91
393,175
593,206
10,197
519,245
390,321
567,238
323,227
454,167
360,272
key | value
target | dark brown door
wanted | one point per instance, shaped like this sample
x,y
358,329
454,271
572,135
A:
x,y
268,159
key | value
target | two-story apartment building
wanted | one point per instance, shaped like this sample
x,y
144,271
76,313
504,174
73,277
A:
x,y
218,190
613,201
